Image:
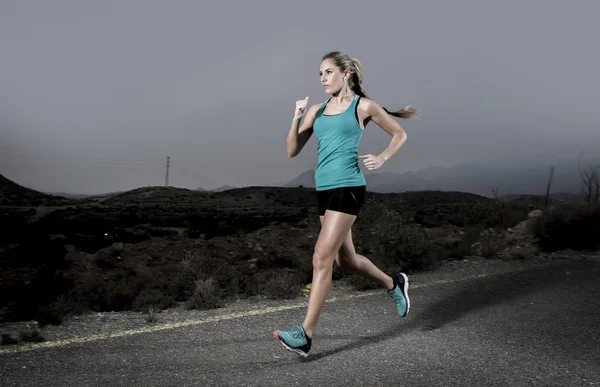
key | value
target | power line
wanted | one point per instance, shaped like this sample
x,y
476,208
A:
x,y
61,156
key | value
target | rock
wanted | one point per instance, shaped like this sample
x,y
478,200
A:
x,y
117,247
253,262
449,241
535,213
19,332
9,338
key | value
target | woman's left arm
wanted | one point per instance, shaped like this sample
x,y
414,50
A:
x,y
391,126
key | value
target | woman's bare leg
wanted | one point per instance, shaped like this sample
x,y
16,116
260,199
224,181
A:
x,y
397,287
335,227
347,258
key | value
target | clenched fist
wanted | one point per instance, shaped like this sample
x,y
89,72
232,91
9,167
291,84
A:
x,y
300,108
372,162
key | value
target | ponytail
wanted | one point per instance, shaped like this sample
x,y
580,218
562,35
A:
x,y
355,83
404,113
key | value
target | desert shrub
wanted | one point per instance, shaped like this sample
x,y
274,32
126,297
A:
x,y
198,267
131,285
489,250
63,306
406,247
26,335
471,215
44,262
31,336
505,216
40,299
279,284
479,214
412,249
37,249
207,295
69,222
524,252
155,298
459,252
116,293
463,248
487,215
576,228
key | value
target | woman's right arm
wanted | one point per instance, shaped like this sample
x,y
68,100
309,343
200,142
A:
x,y
299,134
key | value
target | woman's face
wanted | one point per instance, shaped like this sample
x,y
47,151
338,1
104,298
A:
x,y
332,77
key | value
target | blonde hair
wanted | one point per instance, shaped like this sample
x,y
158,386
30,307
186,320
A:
x,y
345,62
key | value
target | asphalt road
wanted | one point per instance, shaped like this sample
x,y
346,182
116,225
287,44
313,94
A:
x,y
530,325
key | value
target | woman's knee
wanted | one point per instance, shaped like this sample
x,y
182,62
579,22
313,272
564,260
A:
x,y
322,258
346,261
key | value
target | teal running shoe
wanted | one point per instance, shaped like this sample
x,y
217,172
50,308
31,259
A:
x,y
399,294
295,340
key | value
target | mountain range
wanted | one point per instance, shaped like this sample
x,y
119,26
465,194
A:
x,y
478,179
472,178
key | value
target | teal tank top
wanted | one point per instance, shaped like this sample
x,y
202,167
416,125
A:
x,y
337,148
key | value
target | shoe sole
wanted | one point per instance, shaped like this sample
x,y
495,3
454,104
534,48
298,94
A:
x,y
296,351
405,293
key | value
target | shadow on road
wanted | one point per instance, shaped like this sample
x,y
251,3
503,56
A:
x,y
395,331
472,295
497,289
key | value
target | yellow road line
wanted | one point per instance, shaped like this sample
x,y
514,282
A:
x,y
226,316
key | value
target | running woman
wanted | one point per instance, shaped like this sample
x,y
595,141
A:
x,y
338,124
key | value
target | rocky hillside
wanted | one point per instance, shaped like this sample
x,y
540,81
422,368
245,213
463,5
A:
x,y
13,194
155,247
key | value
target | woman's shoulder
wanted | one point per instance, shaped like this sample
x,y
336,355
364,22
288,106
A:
x,y
366,104
366,100
312,111
316,106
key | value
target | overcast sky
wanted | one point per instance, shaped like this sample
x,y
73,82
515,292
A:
x,y
94,95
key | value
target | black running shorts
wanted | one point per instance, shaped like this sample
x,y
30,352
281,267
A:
x,y
344,199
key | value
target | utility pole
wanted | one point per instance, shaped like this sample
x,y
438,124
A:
x,y
167,176
548,186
